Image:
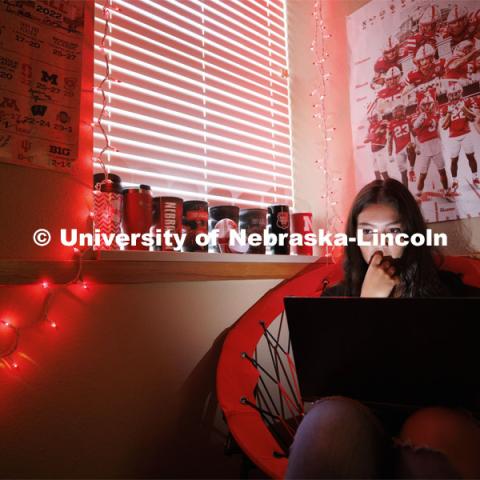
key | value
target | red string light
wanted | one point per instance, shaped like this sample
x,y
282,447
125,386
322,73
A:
x,y
107,15
319,49
6,356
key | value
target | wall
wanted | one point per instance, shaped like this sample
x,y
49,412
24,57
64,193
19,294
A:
x,y
124,387
309,180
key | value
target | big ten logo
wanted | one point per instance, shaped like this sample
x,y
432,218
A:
x,y
57,150
51,78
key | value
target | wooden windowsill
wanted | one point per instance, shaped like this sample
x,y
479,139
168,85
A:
x,y
148,267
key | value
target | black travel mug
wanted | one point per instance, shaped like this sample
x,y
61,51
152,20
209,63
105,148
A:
x,y
279,225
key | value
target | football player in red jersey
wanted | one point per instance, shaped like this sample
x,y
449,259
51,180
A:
x,y
464,62
389,59
425,127
456,117
377,137
427,31
428,68
400,134
474,21
458,26
393,84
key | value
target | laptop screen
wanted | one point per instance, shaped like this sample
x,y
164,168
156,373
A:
x,y
414,351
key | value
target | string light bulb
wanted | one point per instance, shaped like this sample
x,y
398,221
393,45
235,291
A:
x,y
5,357
321,34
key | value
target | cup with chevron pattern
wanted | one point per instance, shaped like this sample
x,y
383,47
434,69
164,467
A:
x,y
107,207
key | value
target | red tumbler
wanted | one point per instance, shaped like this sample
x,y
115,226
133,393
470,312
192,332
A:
x,y
137,213
302,224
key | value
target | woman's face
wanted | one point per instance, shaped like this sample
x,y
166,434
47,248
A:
x,y
379,218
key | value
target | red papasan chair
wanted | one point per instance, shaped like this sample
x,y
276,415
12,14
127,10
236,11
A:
x,y
253,413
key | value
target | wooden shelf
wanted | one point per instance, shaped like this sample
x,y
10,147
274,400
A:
x,y
148,267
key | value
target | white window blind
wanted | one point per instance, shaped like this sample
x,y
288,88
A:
x,y
200,105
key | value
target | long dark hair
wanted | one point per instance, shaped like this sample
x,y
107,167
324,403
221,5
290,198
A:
x,y
417,268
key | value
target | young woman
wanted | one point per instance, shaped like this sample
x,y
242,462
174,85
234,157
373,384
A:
x,y
343,438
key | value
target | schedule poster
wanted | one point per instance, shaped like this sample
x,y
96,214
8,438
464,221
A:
x,y
40,82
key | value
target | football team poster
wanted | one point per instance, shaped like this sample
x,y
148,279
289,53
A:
x,y
415,100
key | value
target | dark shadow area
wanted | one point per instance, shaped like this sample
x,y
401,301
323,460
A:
x,y
195,445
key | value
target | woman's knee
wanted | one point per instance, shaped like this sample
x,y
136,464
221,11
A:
x,y
338,417
339,437
453,432
338,411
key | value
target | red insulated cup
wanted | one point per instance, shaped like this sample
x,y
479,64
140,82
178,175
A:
x,y
168,212
137,213
302,224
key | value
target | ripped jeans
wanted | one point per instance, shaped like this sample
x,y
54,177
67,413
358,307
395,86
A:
x,y
343,438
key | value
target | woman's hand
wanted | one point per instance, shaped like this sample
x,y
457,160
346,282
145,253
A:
x,y
380,278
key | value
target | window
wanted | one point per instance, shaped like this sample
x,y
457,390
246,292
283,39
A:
x,y
199,105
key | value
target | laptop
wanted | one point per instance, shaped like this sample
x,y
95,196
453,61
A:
x,y
408,351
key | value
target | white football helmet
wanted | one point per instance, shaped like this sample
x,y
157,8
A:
x,y
392,77
457,20
428,20
390,49
425,55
